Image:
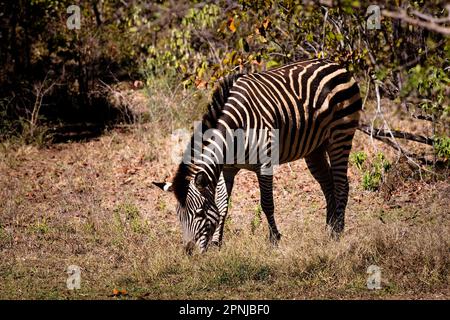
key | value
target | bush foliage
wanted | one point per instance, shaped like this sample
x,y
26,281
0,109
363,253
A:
x,y
66,72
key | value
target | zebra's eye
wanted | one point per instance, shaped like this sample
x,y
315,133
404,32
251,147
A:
x,y
200,213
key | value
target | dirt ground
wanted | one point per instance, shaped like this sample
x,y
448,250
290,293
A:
x,y
92,204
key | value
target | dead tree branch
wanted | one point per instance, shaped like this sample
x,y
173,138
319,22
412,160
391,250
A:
x,y
385,139
433,19
424,21
380,133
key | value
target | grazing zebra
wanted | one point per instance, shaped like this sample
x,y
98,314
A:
x,y
313,106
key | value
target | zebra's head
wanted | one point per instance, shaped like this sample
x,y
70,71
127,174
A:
x,y
196,210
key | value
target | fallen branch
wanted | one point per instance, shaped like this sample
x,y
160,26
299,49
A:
x,y
379,133
385,139
422,117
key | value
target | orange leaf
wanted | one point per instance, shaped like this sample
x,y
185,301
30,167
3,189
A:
x,y
200,84
231,25
266,23
118,293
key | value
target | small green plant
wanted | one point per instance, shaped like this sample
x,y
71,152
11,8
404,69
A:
x,y
373,171
442,147
358,159
89,228
41,227
256,221
161,205
229,220
4,236
371,180
128,215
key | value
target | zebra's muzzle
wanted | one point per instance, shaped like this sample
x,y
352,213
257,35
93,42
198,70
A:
x,y
189,247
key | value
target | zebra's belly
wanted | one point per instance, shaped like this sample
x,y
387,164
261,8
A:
x,y
251,167
293,144
300,144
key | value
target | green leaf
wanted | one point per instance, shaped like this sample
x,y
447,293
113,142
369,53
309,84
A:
x,y
272,64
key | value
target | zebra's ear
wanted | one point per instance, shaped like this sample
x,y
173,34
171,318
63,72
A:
x,y
201,180
165,186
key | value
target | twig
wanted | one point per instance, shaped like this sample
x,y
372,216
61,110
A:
x,y
125,101
338,29
328,3
367,93
428,24
433,19
41,91
309,44
324,29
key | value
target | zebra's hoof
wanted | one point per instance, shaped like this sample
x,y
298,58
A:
x,y
335,233
274,239
217,244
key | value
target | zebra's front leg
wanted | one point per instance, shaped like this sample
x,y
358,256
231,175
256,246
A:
x,y
222,206
266,192
223,193
218,233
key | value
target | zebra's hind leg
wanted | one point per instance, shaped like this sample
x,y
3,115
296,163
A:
x,y
266,198
223,193
339,152
320,169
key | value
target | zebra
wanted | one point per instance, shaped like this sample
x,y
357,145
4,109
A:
x,y
314,105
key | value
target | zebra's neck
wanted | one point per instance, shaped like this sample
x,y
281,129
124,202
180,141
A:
x,y
210,153
188,168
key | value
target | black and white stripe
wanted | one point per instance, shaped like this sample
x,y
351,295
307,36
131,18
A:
x,y
315,106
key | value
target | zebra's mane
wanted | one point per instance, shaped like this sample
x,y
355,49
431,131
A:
x,y
186,171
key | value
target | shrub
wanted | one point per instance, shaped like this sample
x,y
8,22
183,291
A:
x,y
358,159
442,147
373,170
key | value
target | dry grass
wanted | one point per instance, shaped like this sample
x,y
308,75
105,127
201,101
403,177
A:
x,y
92,204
